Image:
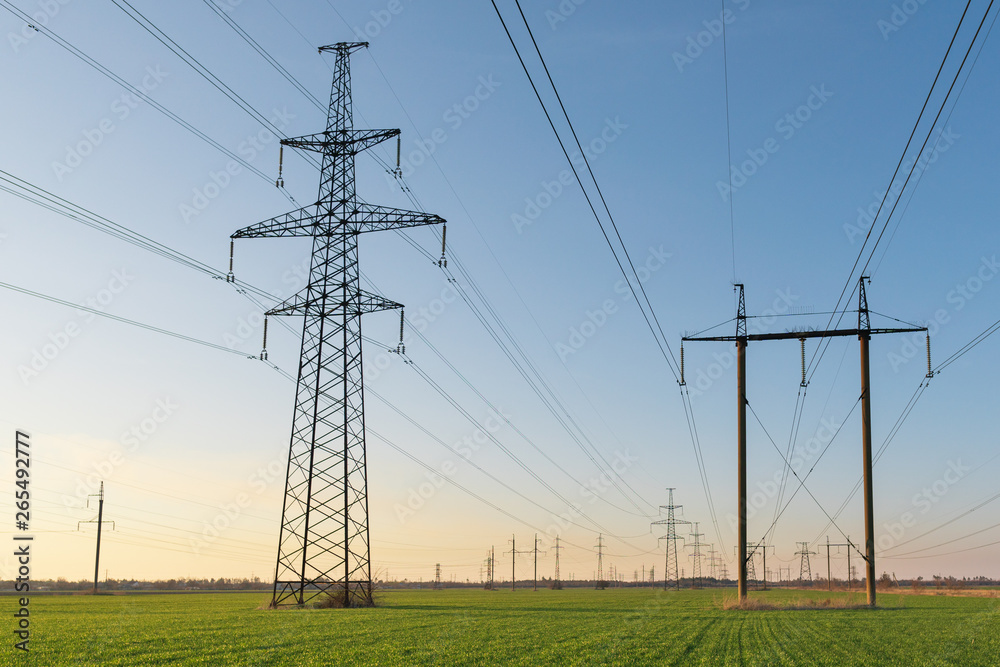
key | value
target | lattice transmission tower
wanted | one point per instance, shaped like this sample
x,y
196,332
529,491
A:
x,y
323,545
805,570
671,570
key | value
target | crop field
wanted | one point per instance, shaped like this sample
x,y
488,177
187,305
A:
x,y
470,627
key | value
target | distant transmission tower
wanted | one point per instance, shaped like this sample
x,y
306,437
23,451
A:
x,y
600,583
696,557
712,560
557,583
805,571
437,577
323,545
671,568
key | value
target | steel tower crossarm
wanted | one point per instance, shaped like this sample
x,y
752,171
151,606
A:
x,y
350,142
327,304
316,220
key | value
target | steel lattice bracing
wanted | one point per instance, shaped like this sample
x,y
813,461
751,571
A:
x,y
324,544
671,576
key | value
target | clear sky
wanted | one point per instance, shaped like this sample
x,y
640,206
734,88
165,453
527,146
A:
x,y
822,99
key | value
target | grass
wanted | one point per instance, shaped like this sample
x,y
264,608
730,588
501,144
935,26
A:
x,y
471,627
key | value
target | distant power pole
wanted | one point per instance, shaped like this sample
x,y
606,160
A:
x,y
805,571
712,555
696,556
671,522
535,580
99,521
557,584
513,561
599,584
437,577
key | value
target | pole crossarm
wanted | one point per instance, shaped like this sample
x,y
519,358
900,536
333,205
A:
x,y
331,302
318,220
797,335
350,142
863,332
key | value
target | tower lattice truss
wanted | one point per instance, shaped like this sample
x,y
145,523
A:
x,y
324,545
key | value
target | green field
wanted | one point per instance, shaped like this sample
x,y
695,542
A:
x,y
470,627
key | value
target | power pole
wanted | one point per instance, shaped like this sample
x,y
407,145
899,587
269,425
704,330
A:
x,y
805,571
490,565
99,521
513,560
711,560
751,570
437,577
600,583
671,522
323,544
864,333
829,574
535,580
696,545
557,584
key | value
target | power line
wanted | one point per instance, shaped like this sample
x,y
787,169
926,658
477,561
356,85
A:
x,y
123,320
138,92
660,338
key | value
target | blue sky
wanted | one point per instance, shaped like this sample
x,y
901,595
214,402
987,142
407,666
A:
x,y
645,88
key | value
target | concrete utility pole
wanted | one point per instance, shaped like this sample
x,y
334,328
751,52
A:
x,y
864,333
513,561
99,521
829,575
535,581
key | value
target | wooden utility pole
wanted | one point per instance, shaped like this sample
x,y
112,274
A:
x,y
864,333
99,521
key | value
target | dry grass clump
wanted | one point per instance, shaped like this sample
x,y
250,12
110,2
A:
x,y
756,604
